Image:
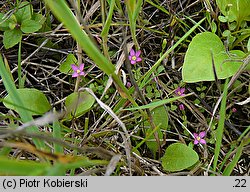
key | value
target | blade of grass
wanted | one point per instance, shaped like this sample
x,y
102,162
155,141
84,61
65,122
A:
x,y
12,91
157,103
5,151
84,162
133,10
220,129
228,170
106,27
14,167
57,134
107,24
225,160
19,68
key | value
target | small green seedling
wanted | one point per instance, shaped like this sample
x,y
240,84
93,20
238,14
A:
x,y
23,20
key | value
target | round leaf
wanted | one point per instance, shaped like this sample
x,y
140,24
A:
x,y
78,104
198,59
34,101
178,157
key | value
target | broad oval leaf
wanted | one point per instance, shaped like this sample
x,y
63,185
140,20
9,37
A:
x,y
34,101
198,59
178,157
78,104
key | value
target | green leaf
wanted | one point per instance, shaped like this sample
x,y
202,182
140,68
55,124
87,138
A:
x,y
30,26
198,59
235,10
65,67
151,143
13,93
157,103
11,38
4,24
160,118
78,104
178,157
34,101
24,12
248,45
39,18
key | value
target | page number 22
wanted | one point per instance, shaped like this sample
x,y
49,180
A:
x,y
240,183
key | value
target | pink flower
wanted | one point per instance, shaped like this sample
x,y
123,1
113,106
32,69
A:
x,y
181,107
128,84
180,91
134,57
198,138
78,71
234,110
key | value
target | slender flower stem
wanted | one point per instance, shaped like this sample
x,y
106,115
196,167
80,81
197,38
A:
x,y
131,76
79,49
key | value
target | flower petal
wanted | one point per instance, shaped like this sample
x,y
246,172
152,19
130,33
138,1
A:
x,y
196,142
181,107
81,73
74,67
137,53
202,134
75,74
81,67
195,135
182,90
128,85
177,91
133,62
130,57
132,52
203,141
138,59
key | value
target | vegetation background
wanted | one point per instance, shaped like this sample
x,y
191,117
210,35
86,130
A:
x,y
181,109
